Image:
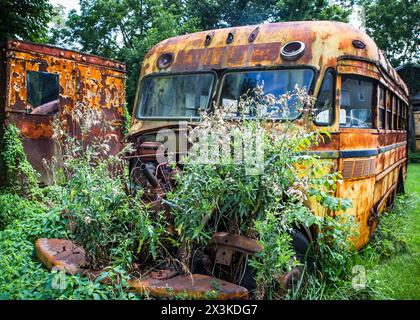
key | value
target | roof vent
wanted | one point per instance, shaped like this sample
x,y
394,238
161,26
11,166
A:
x,y
292,50
209,37
358,44
253,34
230,37
165,60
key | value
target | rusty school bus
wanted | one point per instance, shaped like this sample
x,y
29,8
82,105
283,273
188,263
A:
x,y
41,82
360,100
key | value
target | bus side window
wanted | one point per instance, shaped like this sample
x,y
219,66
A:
x,y
399,114
325,102
388,110
381,94
356,103
42,93
394,113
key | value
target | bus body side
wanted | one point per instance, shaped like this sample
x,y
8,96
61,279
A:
x,y
370,151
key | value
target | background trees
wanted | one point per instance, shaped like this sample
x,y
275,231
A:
x,y
25,19
394,24
127,29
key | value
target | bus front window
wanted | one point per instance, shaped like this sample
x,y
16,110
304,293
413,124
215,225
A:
x,y
179,96
274,82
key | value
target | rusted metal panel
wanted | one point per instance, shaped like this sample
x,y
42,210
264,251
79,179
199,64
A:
x,y
360,192
82,79
52,51
370,159
195,286
65,255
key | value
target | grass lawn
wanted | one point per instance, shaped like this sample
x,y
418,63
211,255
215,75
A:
x,y
398,276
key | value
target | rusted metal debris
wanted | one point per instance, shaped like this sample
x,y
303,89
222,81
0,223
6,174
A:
x,y
64,255
225,244
41,82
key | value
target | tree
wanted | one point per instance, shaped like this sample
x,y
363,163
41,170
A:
x,y
212,14
124,30
394,25
227,13
24,19
295,10
127,29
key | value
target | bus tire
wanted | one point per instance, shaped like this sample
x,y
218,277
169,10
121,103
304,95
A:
x,y
303,249
400,184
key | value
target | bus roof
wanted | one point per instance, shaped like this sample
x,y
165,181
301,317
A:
x,y
325,43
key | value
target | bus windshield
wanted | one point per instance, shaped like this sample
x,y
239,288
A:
x,y
273,82
179,96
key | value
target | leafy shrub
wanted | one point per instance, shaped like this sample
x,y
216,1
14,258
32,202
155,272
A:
x,y
23,276
110,224
263,202
390,236
20,176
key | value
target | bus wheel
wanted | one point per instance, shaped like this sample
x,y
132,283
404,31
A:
x,y
400,184
304,253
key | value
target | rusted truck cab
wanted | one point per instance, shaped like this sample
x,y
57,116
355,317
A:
x,y
39,83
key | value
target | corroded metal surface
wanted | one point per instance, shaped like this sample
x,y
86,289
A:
x,y
371,160
196,286
60,254
235,241
90,80
65,255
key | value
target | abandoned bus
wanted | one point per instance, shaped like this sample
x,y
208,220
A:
x,y
361,101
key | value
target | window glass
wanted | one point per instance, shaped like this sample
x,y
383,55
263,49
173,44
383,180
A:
x,y
394,113
274,83
175,96
400,115
42,93
405,112
356,103
381,94
388,110
325,102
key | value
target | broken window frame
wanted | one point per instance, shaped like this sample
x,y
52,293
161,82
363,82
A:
x,y
46,105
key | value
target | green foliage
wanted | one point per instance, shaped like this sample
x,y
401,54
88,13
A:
x,y
387,242
263,199
414,157
141,24
292,10
20,175
394,26
110,224
22,275
127,120
25,19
